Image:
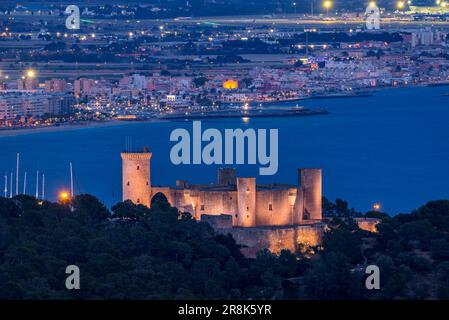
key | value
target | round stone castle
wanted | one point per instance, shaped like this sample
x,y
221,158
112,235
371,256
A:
x,y
272,216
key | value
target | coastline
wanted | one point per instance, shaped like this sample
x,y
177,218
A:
x,y
63,128
110,123
8,132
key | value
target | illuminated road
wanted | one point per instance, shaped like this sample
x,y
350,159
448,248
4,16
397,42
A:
x,y
323,22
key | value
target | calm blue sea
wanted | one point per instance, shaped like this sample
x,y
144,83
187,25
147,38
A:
x,y
391,148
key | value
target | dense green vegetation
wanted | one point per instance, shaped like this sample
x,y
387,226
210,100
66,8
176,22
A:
x,y
141,253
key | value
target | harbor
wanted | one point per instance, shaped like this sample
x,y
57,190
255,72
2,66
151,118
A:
x,y
265,112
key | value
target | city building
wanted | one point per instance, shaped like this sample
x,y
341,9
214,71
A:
x,y
27,84
55,86
14,104
60,104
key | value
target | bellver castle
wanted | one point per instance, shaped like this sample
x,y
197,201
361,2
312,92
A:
x,y
258,216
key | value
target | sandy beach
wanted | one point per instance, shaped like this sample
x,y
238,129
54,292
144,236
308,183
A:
x,y
61,128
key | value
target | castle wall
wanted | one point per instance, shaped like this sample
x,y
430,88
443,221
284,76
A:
x,y
310,235
167,192
274,239
199,202
368,224
274,207
222,221
218,202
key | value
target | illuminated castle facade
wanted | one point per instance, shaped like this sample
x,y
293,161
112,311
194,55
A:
x,y
273,216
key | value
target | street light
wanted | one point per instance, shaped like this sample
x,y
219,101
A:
x,y
31,73
400,5
64,196
327,5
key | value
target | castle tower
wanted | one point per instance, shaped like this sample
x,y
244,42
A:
x,y
246,200
227,176
311,184
136,177
299,206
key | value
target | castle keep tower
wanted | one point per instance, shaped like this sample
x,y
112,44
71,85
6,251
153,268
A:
x,y
227,176
310,180
136,177
246,198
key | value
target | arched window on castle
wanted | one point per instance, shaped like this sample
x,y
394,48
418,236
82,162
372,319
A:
x,y
138,167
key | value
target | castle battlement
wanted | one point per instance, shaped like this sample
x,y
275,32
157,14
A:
x,y
135,156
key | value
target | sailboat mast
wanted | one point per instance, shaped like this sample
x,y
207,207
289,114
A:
x,y
10,186
25,183
43,186
37,184
71,180
6,186
17,173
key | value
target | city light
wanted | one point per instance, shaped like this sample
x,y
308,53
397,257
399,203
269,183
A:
x,y
377,207
327,5
64,196
372,4
31,73
400,5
